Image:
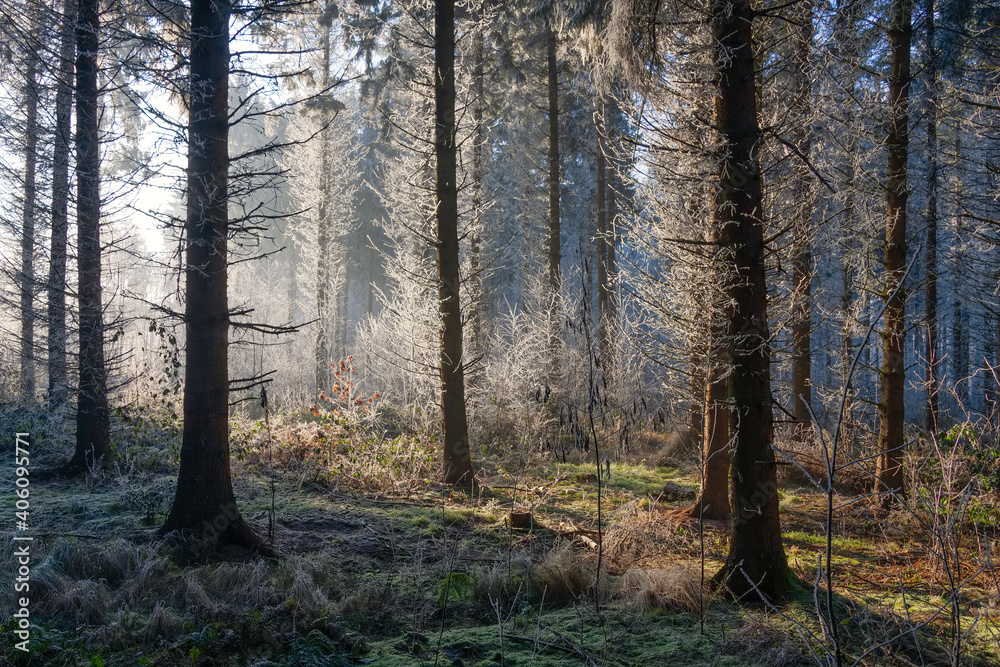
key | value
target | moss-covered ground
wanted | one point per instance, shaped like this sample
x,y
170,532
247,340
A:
x,y
381,565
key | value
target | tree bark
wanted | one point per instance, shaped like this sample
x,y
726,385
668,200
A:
x,y
889,470
28,240
56,284
457,456
802,230
756,564
713,500
930,257
204,505
92,418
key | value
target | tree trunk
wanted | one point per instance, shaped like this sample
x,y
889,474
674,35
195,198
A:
x,y
555,233
802,230
205,505
56,285
603,333
717,427
611,115
323,258
890,438
555,239
475,232
756,563
92,444
28,241
930,352
457,456
343,293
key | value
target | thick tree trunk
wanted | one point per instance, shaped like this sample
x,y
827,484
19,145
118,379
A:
x,y
890,438
92,444
205,506
457,456
802,230
756,564
28,240
930,257
56,284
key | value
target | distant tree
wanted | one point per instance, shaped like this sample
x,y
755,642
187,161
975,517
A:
x,y
56,285
31,94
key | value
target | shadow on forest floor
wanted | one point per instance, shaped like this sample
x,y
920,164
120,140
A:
x,y
382,573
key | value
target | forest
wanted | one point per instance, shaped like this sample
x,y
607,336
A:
x,y
480,333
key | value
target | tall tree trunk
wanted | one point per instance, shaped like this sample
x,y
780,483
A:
x,y
891,413
717,425
457,455
323,254
802,229
555,233
603,333
56,284
613,181
930,316
756,563
204,503
92,444
28,241
555,239
476,229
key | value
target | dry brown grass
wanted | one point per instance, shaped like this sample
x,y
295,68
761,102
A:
x,y
761,638
638,532
677,587
563,575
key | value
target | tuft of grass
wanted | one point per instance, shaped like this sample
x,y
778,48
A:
x,y
762,639
163,623
563,576
674,588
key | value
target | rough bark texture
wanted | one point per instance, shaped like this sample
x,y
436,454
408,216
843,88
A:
x,y
930,257
756,563
457,457
28,240
205,506
92,444
802,229
890,438
56,284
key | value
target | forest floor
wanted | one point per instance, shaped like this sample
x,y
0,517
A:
x,y
381,565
